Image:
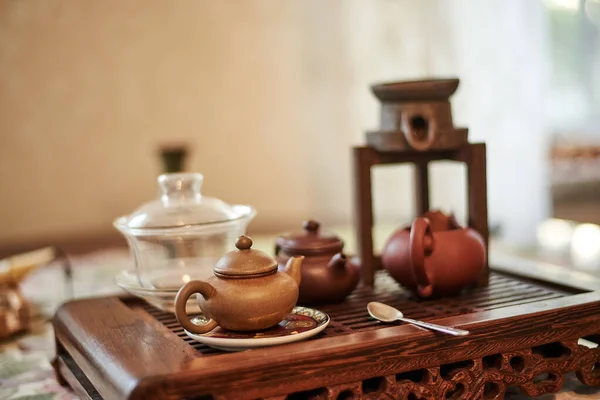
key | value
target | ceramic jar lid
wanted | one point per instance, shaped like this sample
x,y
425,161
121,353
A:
x,y
311,241
181,204
245,261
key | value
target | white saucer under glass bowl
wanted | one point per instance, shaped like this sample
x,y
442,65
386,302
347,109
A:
x,y
161,299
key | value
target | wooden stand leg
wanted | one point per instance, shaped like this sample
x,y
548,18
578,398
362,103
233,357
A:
x,y
477,197
421,188
364,212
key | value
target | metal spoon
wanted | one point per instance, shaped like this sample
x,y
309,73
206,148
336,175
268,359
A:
x,y
386,313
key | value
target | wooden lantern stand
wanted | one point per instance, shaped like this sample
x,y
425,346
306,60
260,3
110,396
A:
x,y
416,127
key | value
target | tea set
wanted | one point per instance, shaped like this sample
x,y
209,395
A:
x,y
237,297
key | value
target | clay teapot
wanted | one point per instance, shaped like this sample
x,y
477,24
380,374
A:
x,y
435,256
246,293
328,276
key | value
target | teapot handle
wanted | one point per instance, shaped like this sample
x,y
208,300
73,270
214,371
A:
x,y
421,244
190,288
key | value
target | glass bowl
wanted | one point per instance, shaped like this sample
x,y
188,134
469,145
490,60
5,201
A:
x,y
180,236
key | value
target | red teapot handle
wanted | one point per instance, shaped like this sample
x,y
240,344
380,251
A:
x,y
421,244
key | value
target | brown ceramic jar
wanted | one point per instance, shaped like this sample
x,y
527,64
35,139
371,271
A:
x,y
328,276
435,256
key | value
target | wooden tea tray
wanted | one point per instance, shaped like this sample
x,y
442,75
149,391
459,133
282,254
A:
x,y
524,333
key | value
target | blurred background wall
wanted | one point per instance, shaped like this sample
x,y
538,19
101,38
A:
x,y
269,94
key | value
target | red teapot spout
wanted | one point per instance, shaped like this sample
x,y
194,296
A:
x,y
440,221
338,262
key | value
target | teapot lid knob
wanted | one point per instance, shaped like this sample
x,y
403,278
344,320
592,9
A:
x,y
311,226
243,242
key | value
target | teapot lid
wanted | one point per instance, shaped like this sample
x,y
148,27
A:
x,y
245,261
181,204
312,240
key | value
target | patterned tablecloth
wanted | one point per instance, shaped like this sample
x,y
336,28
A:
x,y
25,371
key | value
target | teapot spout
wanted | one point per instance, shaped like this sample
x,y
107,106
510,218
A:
x,y
293,268
338,262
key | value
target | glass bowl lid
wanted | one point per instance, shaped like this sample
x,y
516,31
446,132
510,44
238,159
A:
x,y
180,205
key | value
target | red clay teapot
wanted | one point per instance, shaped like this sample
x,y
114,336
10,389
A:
x,y
435,256
328,275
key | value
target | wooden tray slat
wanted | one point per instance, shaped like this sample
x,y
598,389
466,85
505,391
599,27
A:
x,y
351,316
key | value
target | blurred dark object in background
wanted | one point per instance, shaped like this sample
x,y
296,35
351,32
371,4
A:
x,y
173,157
575,180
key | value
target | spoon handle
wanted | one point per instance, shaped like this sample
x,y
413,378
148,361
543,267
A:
x,y
445,329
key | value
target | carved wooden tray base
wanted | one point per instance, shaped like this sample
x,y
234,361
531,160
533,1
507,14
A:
x,y
524,333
